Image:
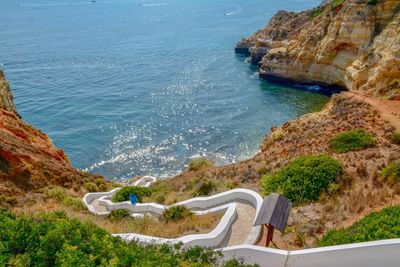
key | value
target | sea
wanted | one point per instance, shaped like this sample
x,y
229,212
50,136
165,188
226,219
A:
x,y
141,87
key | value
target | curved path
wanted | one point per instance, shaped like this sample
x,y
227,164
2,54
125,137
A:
x,y
241,228
235,227
389,109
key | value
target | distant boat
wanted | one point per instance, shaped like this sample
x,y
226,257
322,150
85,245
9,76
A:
x,y
93,1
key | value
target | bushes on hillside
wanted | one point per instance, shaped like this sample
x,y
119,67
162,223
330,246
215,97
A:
x,y
53,240
176,213
124,193
336,3
372,2
117,215
61,195
396,138
199,163
168,193
351,141
303,179
375,226
391,172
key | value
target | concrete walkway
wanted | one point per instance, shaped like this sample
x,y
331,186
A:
x,y
241,227
97,206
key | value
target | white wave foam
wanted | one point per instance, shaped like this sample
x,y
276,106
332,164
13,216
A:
x,y
238,9
150,5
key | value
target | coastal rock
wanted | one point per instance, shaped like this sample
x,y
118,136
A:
x,y
6,97
28,159
378,70
352,44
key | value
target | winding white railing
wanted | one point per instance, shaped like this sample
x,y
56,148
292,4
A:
x,y
200,205
383,253
211,239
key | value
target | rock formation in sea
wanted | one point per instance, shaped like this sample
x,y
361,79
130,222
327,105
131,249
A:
x,y
28,159
353,44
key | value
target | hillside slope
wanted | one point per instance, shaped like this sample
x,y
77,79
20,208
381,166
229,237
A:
x,y
28,159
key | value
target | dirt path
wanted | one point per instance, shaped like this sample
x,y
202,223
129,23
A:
x,y
389,109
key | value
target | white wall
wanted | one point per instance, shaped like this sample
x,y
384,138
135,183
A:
x,y
201,205
383,253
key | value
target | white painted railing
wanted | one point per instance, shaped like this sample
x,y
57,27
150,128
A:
x,y
199,205
211,239
383,253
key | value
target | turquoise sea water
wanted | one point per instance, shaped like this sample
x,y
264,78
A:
x,y
139,87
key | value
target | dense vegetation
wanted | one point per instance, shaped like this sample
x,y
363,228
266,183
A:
x,y
303,179
53,240
372,2
391,172
117,215
336,3
375,226
316,12
61,195
125,192
176,213
352,140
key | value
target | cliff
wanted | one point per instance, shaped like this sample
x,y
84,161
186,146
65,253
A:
x,y
28,159
6,97
353,44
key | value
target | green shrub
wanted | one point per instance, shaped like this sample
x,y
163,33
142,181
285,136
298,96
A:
x,y
335,3
372,2
176,213
351,141
61,195
55,192
396,138
53,240
238,263
303,179
118,214
159,191
375,226
205,188
91,187
74,202
316,12
199,163
391,172
125,192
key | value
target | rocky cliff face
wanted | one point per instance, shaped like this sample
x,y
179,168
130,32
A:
x,y
354,44
6,97
28,159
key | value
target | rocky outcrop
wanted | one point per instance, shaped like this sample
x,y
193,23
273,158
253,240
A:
x,y
28,159
354,44
6,97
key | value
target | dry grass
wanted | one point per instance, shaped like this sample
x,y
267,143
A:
x,y
171,191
